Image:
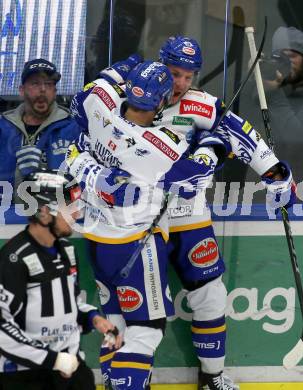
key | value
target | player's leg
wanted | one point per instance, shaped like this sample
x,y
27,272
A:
x,y
145,302
109,303
199,265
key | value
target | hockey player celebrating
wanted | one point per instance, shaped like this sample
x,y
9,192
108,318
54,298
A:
x,y
41,313
118,137
191,235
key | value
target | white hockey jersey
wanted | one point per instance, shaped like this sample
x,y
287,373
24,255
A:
x,y
146,153
243,142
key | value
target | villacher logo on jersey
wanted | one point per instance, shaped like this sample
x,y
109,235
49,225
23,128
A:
x,y
191,107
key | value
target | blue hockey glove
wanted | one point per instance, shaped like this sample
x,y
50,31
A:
x,y
28,159
280,193
112,185
118,72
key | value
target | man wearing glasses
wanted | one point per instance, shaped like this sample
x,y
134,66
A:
x,y
38,132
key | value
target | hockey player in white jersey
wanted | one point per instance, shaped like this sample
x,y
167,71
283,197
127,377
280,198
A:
x,y
194,250
118,136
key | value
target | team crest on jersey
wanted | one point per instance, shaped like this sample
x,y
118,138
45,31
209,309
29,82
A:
x,y
117,133
202,159
142,152
104,96
162,146
192,107
205,253
182,121
173,136
130,142
130,298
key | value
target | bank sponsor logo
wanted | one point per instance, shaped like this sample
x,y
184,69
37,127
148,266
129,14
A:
x,y
205,253
193,107
104,96
130,298
162,146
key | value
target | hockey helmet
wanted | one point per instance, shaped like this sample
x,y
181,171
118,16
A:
x,y
147,84
182,52
51,188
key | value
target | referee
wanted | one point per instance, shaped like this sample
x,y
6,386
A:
x,y
41,315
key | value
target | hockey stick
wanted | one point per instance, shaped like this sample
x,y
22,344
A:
x,y
296,354
127,268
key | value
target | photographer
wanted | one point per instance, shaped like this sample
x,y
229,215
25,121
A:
x,y
283,81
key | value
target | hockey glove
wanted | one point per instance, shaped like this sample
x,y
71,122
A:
x,y
120,70
112,185
205,139
280,193
28,159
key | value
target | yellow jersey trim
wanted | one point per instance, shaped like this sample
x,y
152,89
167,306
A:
x,y
107,357
219,329
140,366
192,226
123,240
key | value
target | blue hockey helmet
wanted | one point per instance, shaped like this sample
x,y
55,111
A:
x,y
147,84
182,52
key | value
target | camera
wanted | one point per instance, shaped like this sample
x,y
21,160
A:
x,y
269,66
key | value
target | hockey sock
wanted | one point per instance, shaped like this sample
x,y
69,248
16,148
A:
x,y
209,341
130,371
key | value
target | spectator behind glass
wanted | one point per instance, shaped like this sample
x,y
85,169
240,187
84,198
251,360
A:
x,y
38,132
284,91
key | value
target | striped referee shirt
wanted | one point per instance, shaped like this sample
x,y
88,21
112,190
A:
x,y
40,308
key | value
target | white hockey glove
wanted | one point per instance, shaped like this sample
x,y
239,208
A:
x,y
280,193
66,363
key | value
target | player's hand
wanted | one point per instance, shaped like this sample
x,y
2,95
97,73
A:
x,y
281,188
112,339
119,71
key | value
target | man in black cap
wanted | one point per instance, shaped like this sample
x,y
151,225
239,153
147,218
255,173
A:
x,y
37,133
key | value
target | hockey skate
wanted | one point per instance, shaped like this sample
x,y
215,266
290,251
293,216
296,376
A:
x,y
216,382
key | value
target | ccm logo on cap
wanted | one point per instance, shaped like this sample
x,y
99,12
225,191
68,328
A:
x,y
41,65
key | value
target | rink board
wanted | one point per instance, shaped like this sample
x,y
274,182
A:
x,y
263,315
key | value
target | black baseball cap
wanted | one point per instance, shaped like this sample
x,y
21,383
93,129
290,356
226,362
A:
x,y
40,65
